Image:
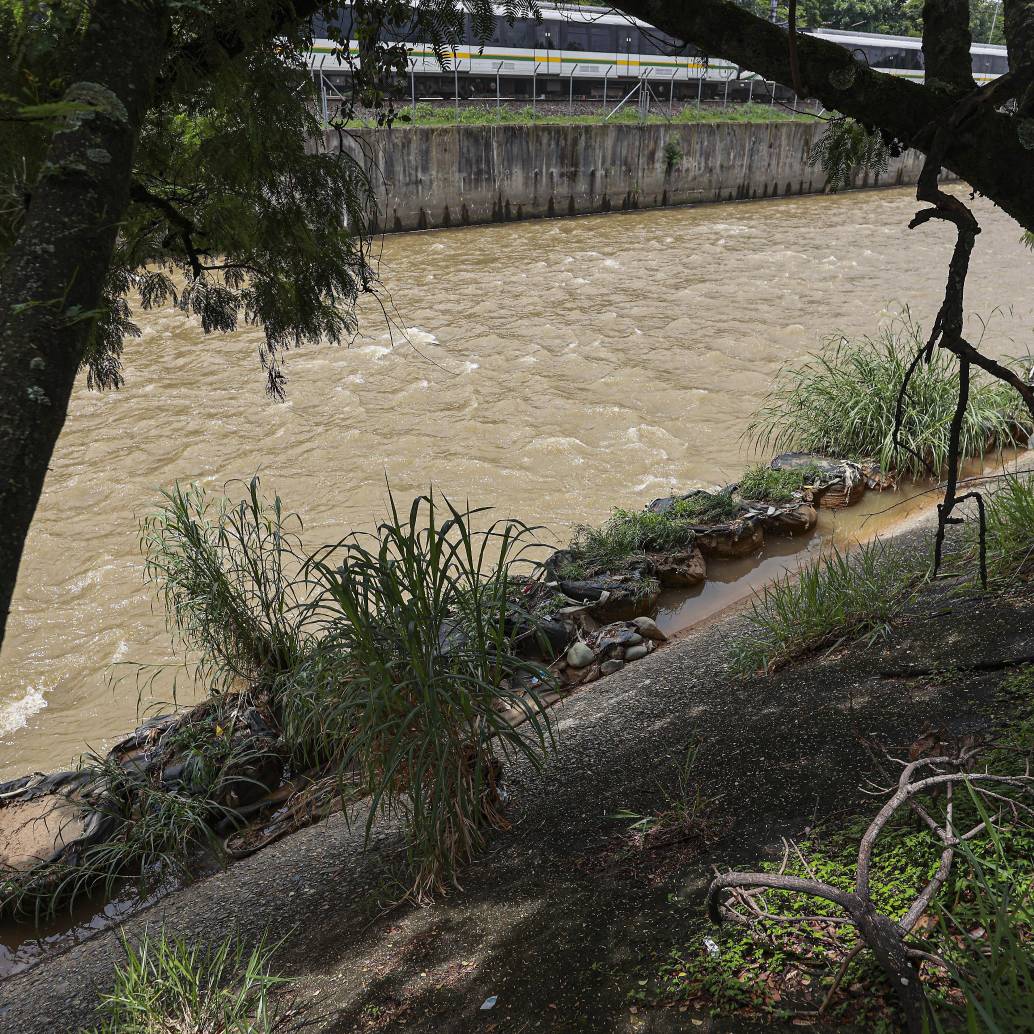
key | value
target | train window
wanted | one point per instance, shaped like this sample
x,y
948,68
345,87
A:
x,y
574,37
547,35
602,39
517,35
401,33
894,57
990,64
648,42
342,22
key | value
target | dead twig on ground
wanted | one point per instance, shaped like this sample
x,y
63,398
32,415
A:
x,y
884,935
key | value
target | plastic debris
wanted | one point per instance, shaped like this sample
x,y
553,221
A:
x,y
489,1003
712,948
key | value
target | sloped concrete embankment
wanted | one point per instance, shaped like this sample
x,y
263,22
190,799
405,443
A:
x,y
544,921
429,177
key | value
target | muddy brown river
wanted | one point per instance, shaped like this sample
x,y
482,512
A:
x,y
550,369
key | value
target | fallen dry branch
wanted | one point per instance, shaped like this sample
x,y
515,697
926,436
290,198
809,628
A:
x,y
732,895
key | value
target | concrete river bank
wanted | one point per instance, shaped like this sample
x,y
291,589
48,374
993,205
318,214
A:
x,y
429,177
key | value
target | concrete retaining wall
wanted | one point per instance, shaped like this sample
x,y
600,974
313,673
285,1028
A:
x,y
456,175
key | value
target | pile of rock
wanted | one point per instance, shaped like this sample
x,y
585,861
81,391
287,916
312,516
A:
x,y
608,649
632,592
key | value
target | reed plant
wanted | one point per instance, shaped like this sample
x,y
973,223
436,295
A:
x,y
414,686
988,931
842,402
1009,521
169,986
228,575
846,596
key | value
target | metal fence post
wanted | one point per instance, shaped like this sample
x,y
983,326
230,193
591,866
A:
x,y
456,85
412,83
750,93
772,101
700,90
725,99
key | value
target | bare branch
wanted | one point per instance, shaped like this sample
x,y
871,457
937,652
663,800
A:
x,y
883,935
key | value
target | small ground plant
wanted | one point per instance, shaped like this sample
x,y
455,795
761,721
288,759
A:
x,y
843,401
688,812
762,483
846,595
783,965
954,889
167,986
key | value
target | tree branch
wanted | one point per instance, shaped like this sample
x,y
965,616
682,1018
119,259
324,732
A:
x,y
880,933
988,154
186,227
1019,35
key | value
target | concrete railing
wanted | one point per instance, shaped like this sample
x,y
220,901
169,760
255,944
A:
x,y
439,176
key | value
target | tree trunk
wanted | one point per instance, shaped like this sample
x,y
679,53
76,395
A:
x,y
946,43
53,279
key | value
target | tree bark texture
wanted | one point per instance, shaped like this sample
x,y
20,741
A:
x,y
53,278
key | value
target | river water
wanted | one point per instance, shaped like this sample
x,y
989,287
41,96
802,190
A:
x,y
550,369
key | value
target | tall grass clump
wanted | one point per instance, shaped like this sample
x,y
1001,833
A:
x,y
842,402
845,596
227,573
414,673
169,986
1009,520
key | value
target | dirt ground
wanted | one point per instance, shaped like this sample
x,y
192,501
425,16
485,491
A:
x,y
557,919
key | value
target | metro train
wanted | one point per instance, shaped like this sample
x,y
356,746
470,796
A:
x,y
593,52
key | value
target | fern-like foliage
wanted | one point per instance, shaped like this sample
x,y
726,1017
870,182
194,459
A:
x,y
244,208
847,147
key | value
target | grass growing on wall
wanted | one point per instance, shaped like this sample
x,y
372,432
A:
x,y
487,114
